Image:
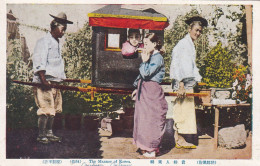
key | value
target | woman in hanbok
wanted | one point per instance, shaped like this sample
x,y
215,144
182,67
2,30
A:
x,y
150,103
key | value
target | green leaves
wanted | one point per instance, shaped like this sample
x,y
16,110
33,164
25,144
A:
x,y
77,53
218,68
20,100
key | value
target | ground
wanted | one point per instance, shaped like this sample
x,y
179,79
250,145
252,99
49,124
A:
x,y
121,146
102,144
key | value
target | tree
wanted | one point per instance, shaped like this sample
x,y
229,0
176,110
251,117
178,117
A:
x,y
77,53
236,41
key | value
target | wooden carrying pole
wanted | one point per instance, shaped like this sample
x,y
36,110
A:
x,y
77,81
101,90
89,82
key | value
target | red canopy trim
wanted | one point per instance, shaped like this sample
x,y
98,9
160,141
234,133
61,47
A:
x,y
128,16
127,23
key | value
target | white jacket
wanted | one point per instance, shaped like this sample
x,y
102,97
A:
x,y
183,64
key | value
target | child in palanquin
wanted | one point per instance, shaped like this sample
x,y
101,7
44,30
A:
x,y
130,47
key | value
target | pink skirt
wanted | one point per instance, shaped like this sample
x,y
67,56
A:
x,y
150,116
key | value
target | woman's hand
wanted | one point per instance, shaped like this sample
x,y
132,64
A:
x,y
140,49
134,94
181,93
145,55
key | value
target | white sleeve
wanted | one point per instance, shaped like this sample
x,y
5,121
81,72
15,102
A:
x,y
40,56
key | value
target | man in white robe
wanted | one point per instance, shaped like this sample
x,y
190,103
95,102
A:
x,y
185,75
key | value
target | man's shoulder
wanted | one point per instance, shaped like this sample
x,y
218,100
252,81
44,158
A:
x,y
183,40
43,39
181,44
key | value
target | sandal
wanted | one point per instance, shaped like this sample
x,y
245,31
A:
x,y
191,146
140,151
149,154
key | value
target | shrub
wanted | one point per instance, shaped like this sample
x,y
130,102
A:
x,y
242,86
20,105
217,70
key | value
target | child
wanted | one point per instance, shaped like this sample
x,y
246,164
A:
x,y
130,47
150,103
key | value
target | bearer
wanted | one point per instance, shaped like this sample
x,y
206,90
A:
x,y
48,66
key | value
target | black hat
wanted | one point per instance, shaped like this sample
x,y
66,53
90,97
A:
x,y
61,18
203,21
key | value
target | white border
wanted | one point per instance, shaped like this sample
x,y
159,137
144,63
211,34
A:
x,y
256,58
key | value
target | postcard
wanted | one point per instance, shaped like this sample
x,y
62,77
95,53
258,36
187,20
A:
x,y
129,83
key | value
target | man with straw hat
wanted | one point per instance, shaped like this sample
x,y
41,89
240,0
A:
x,y
185,75
48,66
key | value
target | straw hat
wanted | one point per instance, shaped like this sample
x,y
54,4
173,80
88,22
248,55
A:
x,y
61,18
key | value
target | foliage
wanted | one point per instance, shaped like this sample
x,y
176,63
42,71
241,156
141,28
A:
x,y
20,100
71,104
127,101
77,53
236,41
242,86
218,68
102,102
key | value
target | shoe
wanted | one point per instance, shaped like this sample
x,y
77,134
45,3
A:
x,y
43,140
49,133
187,146
149,154
140,151
52,137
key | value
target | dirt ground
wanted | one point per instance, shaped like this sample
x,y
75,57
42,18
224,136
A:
x,y
102,144
75,144
121,146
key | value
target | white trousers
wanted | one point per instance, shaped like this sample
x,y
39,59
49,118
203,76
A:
x,y
184,115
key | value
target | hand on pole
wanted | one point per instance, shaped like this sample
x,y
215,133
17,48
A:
x,y
45,83
134,94
181,93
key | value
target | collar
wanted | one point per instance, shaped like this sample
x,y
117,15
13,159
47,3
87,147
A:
x,y
51,37
49,34
155,52
187,37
